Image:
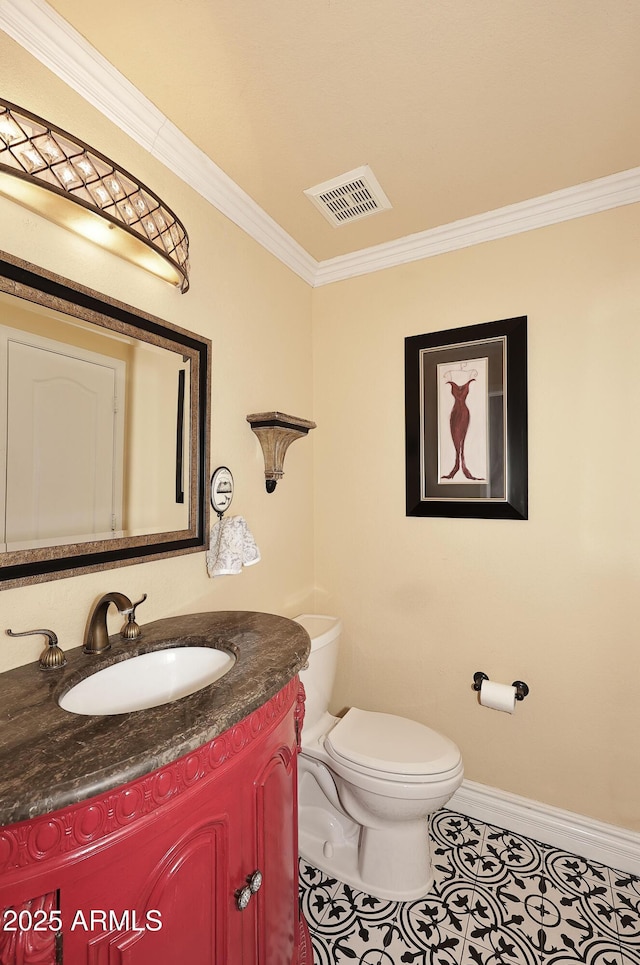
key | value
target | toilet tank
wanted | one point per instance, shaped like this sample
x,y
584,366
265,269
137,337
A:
x,y
319,677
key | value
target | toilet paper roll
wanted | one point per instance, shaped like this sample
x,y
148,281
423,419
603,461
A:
x,y
498,696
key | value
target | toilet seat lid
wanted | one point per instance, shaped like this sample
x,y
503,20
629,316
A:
x,y
390,744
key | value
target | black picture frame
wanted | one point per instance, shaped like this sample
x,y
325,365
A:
x,y
467,387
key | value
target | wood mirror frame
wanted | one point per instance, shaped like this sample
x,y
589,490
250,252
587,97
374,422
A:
x,y
53,292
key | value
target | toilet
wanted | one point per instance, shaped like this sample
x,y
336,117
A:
x,y
367,783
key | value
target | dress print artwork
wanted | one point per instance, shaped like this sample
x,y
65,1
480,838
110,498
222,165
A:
x,y
466,421
463,421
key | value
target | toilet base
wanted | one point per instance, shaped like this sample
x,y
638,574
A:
x,y
394,867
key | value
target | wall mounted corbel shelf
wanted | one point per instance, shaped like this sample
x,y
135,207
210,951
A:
x,y
276,431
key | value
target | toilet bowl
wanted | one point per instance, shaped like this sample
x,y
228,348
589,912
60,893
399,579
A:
x,y
367,784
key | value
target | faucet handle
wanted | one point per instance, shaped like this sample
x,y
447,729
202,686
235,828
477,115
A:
x,y
52,657
131,630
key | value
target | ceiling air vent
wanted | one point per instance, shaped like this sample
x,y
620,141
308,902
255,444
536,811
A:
x,y
349,197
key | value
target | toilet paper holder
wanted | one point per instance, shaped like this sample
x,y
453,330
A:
x,y
521,688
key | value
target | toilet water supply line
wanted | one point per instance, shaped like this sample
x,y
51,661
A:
x,y
326,782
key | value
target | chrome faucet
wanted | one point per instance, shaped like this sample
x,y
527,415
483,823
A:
x,y
96,638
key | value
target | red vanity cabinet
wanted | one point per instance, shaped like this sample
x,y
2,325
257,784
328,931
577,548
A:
x,y
153,872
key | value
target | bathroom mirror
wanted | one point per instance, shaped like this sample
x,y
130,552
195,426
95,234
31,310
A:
x,y
104,429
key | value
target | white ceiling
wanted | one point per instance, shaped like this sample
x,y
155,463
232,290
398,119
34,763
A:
x,y
460,107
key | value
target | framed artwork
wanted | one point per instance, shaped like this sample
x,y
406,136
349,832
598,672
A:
x,y
466,421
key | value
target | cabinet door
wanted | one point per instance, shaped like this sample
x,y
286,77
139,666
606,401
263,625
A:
x,y
163,897
181,918
277,849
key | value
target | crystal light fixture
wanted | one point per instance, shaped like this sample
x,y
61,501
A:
x,y
45,168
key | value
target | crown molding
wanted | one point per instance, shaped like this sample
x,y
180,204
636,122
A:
x,y
48,37
549,209
44,33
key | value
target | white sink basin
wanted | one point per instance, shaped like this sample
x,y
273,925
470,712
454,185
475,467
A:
x,y
148,680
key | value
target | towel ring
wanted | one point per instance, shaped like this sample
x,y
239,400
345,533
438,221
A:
x,y
221,490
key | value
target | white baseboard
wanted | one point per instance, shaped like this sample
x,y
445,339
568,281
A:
x,y
616,847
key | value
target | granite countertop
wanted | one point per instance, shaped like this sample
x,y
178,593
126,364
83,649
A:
x,y
50,758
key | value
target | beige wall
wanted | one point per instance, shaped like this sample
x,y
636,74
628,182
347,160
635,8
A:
x,y
257,314
553,600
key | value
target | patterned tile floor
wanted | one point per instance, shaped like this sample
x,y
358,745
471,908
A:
x,y
498,899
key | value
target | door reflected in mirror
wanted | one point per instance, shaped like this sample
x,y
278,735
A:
x,y
103,430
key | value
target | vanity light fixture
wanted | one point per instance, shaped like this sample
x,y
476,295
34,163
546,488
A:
x,y
66,181
276,432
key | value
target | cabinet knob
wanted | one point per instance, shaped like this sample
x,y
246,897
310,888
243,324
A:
x,y
243,895
255,882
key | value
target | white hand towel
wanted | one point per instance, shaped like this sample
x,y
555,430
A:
x,y
231,547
